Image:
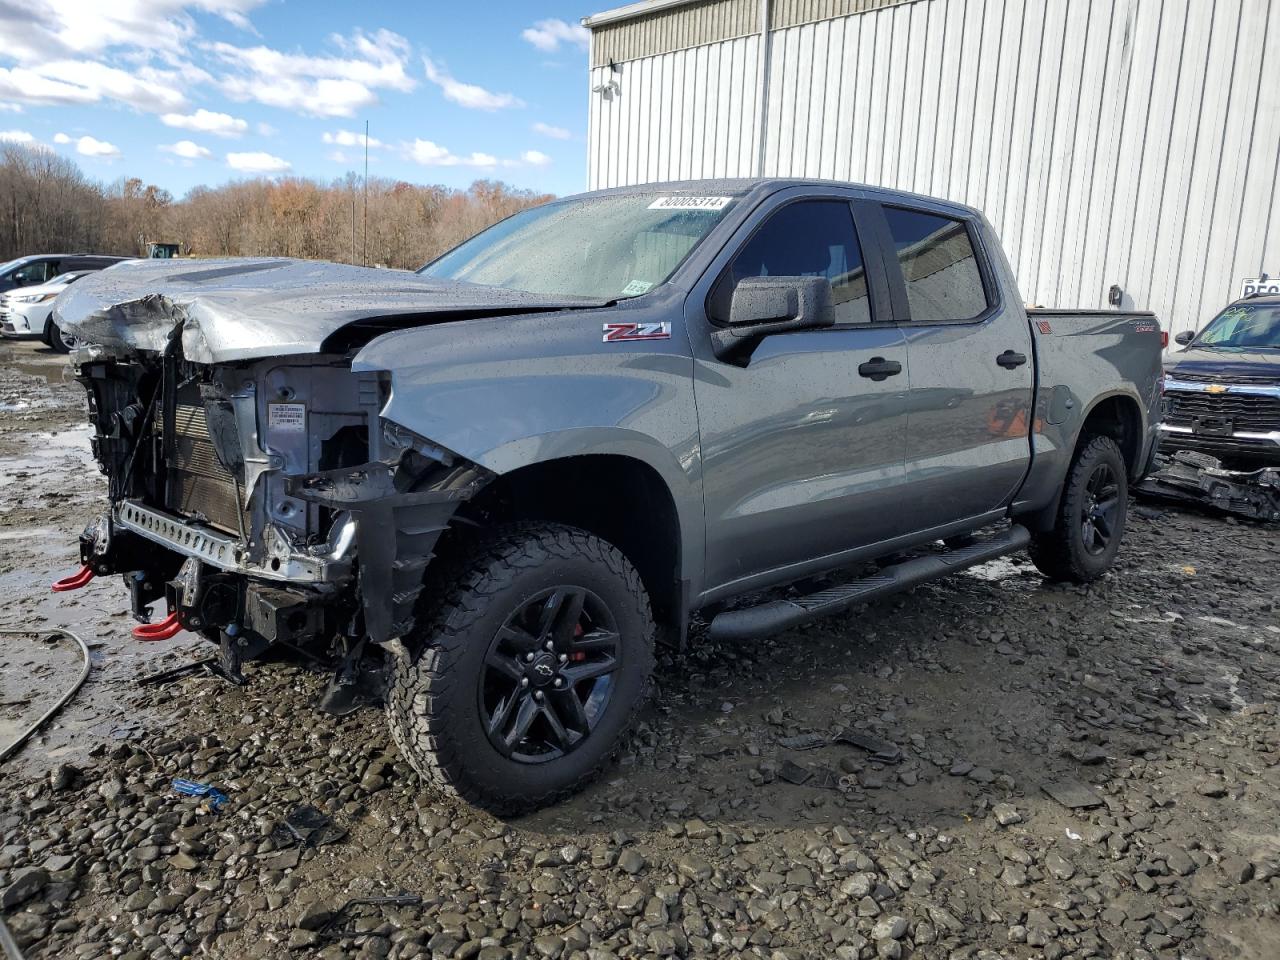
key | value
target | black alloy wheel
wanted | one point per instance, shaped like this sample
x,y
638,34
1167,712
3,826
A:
x,y
1098,509
549,675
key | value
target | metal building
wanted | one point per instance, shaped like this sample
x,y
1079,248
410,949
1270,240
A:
x,y
1125,143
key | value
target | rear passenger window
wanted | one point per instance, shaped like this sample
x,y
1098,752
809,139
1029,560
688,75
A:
x,y
938,264
812,238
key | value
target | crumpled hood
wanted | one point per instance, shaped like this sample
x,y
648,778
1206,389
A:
x,y
251,308
1225,363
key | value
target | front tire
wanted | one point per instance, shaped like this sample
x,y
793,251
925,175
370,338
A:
x,y
57,340
1086,536
528,669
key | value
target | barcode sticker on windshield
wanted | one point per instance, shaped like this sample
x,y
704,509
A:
x,y
690,203
636,287
287,417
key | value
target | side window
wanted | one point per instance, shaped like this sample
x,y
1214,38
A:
x,y
939,265
812,238
32,273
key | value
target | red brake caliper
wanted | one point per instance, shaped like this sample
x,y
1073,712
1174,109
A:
x,y
578,655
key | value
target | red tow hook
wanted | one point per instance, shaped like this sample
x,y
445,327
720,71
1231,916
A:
x,y
75,581
163,630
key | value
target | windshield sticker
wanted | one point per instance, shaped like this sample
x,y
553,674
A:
x,y
636,287
690,203
619,332
287,417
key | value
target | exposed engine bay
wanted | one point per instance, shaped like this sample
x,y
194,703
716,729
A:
x,y
264,501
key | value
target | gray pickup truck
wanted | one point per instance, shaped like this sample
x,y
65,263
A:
x,y
497,483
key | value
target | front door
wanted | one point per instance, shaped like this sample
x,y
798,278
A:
x,y
802,454
972,369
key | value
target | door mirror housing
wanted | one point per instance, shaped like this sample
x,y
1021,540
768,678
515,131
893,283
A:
x,y
765,305
1185,337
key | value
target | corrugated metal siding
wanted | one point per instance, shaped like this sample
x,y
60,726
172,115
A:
x,y
690,113
791,13
1129,142
679,28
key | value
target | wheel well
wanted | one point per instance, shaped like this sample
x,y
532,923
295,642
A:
x,y
620,499
1117,417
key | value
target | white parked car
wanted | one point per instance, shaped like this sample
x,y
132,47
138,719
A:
x,y
26,313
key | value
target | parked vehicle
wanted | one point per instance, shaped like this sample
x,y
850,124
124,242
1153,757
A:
x,y
513,472
30,271
1222,390
26,312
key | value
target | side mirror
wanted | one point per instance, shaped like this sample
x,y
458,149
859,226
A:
x,y
1185,337
765,305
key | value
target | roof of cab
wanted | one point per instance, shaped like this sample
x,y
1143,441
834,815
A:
x,y
761,187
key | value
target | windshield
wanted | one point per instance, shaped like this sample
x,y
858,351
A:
x,y
1244,326
602,248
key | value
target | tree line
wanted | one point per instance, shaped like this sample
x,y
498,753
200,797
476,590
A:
x,y
48,205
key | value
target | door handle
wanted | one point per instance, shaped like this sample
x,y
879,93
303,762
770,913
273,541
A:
x,y
878,368
1010,359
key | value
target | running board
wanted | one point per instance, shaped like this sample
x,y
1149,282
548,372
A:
x,y
750,623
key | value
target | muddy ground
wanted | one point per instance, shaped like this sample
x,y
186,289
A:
x,y
1150,696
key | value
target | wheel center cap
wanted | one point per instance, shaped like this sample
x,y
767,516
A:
x,y
542,671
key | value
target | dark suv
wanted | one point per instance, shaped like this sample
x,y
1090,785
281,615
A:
x,y
27,271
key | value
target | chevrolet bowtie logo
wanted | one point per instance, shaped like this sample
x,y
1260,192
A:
x,y
1215,388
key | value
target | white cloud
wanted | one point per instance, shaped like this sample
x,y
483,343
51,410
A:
x,y
535,158
433,155
207,121
318,86
16,136
187,150
61,138
10,107
266,129
53,29
468,94
555,133
257,163
547,35
349,138
93,147
81,82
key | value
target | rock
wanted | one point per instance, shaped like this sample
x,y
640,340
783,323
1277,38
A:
x,y
25,885
184,861
695,868
63,777
889,928
1006,814
1180,862
631,861
314,915
1060,867
1237,869
1213,789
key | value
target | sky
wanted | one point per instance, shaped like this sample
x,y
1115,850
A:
x,y
182,93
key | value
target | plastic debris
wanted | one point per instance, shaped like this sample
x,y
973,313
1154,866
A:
x,y
881,750
213,798
805,741
307,827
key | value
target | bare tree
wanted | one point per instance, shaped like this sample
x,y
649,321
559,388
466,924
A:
x,y
47,205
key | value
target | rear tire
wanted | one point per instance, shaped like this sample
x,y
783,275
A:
x,y
484,708
1084,540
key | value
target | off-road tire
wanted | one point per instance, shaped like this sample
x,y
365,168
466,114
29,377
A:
x,y
1060,553
432,705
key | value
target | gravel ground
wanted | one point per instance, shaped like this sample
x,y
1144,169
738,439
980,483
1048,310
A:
x,y
1149,698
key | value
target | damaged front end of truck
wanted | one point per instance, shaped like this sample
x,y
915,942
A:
x,y
258,500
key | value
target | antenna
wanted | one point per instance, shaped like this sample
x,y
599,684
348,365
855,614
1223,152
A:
x,y
364,226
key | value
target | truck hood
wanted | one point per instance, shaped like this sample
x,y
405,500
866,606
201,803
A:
x,y
1226,364
253,308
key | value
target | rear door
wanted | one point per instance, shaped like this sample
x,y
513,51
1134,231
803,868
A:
x,y
802,454
972,369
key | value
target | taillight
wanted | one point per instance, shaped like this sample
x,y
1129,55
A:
x,y
1164,339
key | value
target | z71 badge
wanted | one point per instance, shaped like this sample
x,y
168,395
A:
x,y
618,332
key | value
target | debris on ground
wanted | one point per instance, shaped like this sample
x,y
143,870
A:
x,y
1161,686
212,798
880,749
307,827
1198,479
1073,794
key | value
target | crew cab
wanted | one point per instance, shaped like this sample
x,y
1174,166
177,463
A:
x,y
502,480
